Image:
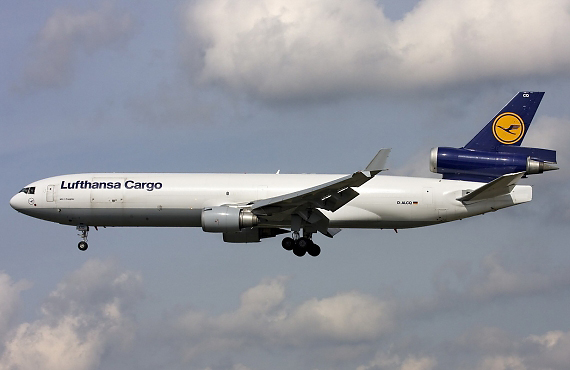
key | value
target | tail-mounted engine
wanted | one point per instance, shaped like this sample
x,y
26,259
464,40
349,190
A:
x,y
474,165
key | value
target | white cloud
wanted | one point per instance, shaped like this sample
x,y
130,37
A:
x,y
67,33
277,49
9,301
87,316
384,361
264,319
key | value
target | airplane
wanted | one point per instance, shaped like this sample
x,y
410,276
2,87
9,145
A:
x,y
478,178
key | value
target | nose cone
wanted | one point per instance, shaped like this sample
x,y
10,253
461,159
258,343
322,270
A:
x,y
17,202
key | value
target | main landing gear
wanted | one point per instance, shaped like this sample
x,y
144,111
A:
x,y
83,231
301,246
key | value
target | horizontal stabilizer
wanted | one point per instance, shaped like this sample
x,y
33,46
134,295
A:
x,y
500,186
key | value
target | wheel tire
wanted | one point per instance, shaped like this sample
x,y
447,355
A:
x,y
314,250
82,246
298,251
304,243
288,243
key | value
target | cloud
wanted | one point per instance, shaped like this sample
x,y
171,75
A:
x,y
88,321
9,300
67,34
386,361
265,320
460,289
87,316
492,348
552,133
277,49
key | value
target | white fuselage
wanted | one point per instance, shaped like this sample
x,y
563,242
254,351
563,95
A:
x,y
169,199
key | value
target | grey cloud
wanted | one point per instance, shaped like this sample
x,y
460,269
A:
x,y
276,49
459,288
492,348
553,133
485,348
388,361
65,35
90,316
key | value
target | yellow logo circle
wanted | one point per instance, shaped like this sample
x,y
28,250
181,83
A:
x,y
508,128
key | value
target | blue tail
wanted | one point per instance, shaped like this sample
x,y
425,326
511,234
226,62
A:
x,y
496,150
509,126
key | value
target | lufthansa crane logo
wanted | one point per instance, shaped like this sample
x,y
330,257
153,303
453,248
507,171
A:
x,y
508,128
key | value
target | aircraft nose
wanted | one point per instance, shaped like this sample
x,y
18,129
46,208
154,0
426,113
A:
x,y
17,202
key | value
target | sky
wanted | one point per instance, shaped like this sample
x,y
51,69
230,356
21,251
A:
x,y
258,86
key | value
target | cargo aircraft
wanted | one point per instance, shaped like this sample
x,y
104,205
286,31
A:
x,y
480,177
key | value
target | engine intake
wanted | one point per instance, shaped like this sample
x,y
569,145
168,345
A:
x,y
223,219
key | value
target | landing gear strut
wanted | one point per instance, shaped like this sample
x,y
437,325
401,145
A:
x,y
301,246
83,231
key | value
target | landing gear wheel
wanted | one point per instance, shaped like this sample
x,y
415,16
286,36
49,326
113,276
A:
x,y
82,246
314,250
301,246
298,251
304,243
288,243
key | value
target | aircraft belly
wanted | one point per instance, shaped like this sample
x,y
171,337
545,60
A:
x,y
173,217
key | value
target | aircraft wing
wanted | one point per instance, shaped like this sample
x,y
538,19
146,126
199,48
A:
x,y
304,205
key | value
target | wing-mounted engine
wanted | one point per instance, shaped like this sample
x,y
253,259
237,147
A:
x,y
238,225
475,165
224,219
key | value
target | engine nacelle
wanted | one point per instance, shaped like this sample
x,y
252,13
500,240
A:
x,y
224,219
464,163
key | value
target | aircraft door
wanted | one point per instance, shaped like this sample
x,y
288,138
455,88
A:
x,y
50,193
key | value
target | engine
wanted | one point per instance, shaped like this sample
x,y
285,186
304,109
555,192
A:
x,y
474,165
223,219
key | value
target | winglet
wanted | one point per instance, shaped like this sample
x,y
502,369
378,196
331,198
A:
x,y
378,163
500,186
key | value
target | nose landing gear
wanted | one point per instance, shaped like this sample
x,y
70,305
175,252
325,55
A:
x,y
301,246
83,231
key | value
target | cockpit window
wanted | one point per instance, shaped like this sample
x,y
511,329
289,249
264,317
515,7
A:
x,y
30,190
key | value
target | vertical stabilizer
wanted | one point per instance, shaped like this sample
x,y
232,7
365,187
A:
x,y
510,125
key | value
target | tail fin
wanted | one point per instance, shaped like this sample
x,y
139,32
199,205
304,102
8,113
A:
x,y
510,125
